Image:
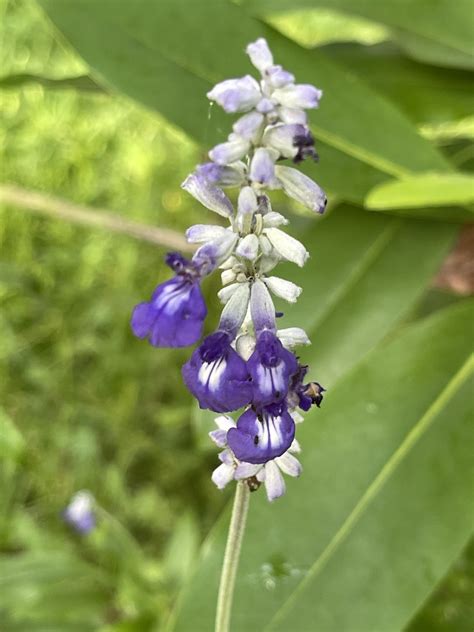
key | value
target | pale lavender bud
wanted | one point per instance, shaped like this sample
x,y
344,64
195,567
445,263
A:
x,y
200,233
260,54
247,202
262,308
247,205
279,77
233,150
248,247
236,95
249,126
209,195
265,106
301,96
222,175
80,512
262,167
292,116
234,312
301,188
283,138
214,252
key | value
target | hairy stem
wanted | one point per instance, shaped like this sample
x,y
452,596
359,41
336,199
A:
x,y
231,556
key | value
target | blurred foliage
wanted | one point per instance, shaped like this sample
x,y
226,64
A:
x,y
82,404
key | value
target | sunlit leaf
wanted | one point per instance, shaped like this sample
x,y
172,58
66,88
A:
x,y
431,189
440,33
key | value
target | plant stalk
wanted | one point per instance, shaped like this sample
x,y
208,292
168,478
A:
x,y
232,556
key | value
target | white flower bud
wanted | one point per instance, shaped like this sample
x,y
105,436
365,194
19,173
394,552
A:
x,y
228,276
299,96
293,116
301,188
225,294
288,247
268,262
209,195
246,207
229,152
248,247
274,219
265,245
245,346
261,307
234,312
200,233
284,289
229,263
293,337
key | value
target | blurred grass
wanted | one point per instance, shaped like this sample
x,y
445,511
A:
x,y
96,408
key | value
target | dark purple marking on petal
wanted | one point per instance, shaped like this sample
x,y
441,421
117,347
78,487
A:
x,y
262,436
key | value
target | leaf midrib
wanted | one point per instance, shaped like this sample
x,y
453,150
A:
x,y
413,436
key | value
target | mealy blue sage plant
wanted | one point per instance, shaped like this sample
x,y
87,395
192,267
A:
x,y
247,363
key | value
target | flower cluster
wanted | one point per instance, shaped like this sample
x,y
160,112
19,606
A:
x,y
247,363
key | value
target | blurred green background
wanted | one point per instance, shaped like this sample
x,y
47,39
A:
x,y
84,405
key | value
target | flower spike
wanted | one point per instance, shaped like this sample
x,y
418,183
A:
x,y
247,363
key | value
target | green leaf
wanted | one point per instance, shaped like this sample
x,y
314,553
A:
x,y
424,93
382,508
147,56
365,273
430,189
442,33
84,83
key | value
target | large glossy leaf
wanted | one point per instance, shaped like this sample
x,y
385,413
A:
x,y
425,93
364,275
382,509
430,189
440,32
143,49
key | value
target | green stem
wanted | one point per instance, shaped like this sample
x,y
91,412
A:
x,y
231,556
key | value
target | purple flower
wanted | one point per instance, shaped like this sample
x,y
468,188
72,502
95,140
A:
x,y
271,367
79,513
262,436
175,314
217,376
304,395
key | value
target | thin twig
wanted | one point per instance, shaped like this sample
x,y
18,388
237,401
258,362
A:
x,y
101,218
